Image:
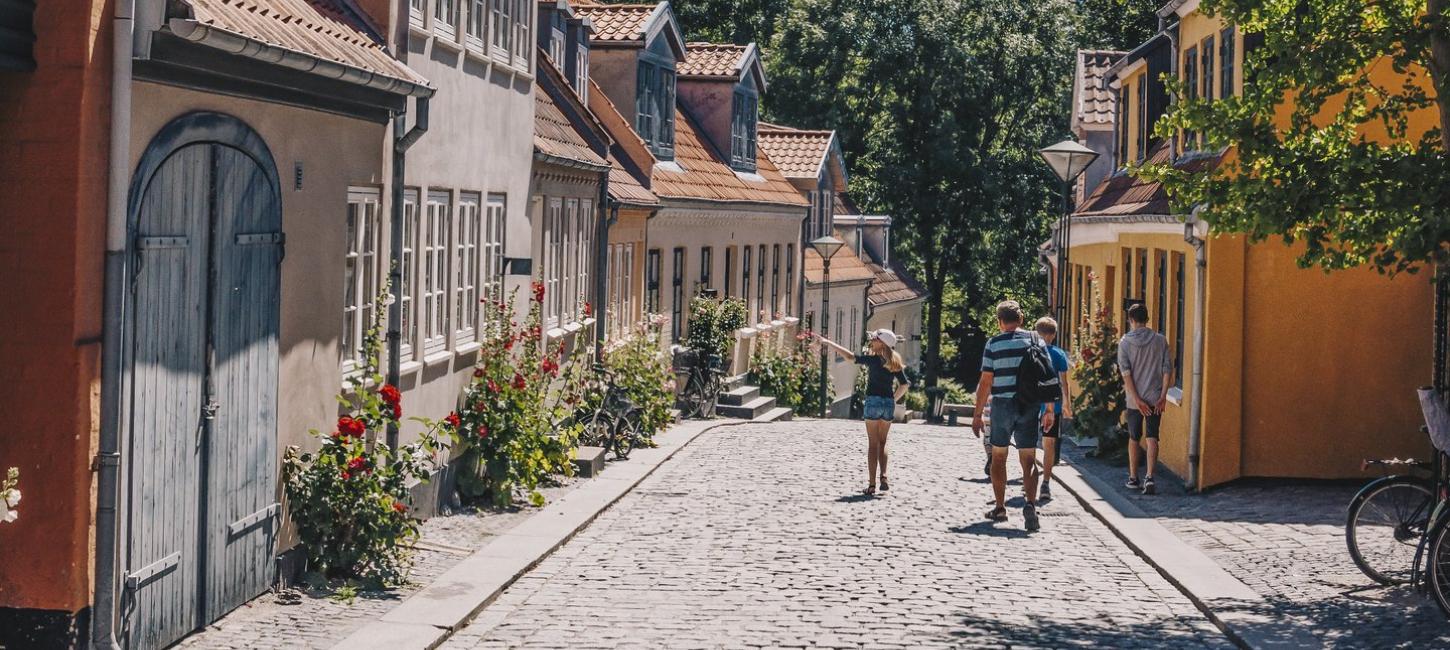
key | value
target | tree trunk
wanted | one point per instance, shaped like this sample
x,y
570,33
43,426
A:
x,y
935,289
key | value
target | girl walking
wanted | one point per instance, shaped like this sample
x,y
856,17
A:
x,y
886,384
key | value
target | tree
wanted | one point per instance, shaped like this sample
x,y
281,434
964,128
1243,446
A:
x,y
1339,138
1116,24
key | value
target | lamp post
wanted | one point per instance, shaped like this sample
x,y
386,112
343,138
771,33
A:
x,y
1068,160
825,246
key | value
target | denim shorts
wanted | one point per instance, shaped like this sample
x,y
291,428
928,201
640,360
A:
x,y
1137,423
880,408
1013,423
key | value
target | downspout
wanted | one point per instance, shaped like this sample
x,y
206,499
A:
x,y
402,141
1195,399
608,215
114,373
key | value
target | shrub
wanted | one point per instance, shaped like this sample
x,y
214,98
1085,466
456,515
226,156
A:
x,y
1098,405
642,369
791,373
349,498
514,431
713,324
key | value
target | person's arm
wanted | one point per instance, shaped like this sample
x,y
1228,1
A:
x,y
984,391
1162,404
838,347
1066,395
902,385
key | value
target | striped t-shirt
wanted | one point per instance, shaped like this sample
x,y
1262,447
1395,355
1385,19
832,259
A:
x,y
1002,357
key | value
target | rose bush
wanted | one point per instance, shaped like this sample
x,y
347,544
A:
x,y
791,373
713,324
1099,401
641,368
349,499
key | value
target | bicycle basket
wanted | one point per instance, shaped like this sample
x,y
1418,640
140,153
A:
x,y
1437,418
687,358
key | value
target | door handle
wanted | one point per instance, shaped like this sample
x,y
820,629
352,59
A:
x,y
209,410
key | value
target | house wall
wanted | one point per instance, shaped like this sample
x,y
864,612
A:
x,y
492,106
53,175
550,182
335,152
631,228
614,69
844,296
711,104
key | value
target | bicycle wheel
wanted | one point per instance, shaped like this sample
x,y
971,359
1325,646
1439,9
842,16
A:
x,y
596,430
1384,526
710,396
693,400
626,435
1438,562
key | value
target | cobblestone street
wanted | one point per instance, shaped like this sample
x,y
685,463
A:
x,y
755,536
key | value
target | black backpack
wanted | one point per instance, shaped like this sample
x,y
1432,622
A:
x,y
1037,381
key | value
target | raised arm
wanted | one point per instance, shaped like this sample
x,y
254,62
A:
x,y
837,346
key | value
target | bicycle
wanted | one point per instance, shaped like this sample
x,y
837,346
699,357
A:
x,y
615,424
702,385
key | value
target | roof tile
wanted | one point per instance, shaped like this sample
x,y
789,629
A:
x,y
798,153
1126,194
555,135
616,22
711,60
1094,102
703,176
893,284
845,267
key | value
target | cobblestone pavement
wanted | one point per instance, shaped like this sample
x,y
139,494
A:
x,y
1286,542
754,536
291,619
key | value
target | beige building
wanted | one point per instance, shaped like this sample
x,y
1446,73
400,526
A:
x,y
895,299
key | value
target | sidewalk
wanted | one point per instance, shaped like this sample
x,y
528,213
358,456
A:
x,y
1283,542
452,547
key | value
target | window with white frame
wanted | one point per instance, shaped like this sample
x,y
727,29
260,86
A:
x,y
743,118
467,264
523,33
553,269
445,18
408,327
502,35
475,34
437,225
565,306
417,10
789,278
362,273
492,254
760,288
584,256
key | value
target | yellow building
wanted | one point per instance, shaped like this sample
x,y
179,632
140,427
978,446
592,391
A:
x,y
1303,373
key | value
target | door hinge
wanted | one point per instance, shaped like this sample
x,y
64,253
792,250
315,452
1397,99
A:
x,y
265,514
152,571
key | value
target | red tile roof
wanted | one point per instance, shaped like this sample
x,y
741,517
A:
x,y
845,267
703,176
616,22
555,136
1126,194
630,160
893,284
712,60
626,189
1093,102
797,152
331,30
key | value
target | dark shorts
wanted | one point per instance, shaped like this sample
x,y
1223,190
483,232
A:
x,y
1137,423
1014,423
1056,427
879,408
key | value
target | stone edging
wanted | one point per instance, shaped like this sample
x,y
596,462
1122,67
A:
x,y
427,618
1237,610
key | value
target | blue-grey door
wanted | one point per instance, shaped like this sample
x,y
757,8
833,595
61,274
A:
x,y
202,453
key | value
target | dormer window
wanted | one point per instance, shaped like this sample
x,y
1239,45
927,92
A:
x,y
556,40
655,104
743,121
578,72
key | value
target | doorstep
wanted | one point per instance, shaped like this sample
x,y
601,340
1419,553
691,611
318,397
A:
x,y
428,617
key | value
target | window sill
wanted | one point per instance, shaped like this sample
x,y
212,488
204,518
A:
x,y
437,358
409,367
419,29
479,55
447,42
468,348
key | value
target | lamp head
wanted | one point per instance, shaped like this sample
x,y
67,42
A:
x,y
1068,159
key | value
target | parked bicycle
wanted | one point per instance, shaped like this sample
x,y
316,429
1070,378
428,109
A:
x,y
616,423
704,379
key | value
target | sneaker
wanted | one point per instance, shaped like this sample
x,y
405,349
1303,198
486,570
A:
x,y
1044,491
1133,483
1149,487
1029,518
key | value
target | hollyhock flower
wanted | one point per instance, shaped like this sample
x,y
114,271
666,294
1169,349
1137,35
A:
x,y
492,386
357,464
399,507
483,431
508,343
390,394
397,411
346,475
478,372
519,383
538,289
588,310
549,367
1087,355
452,419
351,428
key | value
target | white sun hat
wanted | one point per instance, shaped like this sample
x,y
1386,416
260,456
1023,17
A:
x,y
885,336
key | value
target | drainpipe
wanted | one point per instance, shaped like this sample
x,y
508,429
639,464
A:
x,y
402,141
1195,399
113,366
608,215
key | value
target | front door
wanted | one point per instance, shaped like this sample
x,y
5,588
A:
x,y
202,453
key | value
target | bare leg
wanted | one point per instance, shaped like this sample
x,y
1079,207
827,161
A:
x,y
1049,457
999,475
1132,458
871,460
1028,458
884,427
1152,445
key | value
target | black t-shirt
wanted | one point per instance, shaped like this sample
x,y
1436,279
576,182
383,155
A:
x,y
878,377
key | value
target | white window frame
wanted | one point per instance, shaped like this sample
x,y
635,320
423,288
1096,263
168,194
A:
x,y
408,328
584,254
467,247
475,31
523,45
501,35
446,15
565,306
553,271
362,272
493,246
418,13
435,235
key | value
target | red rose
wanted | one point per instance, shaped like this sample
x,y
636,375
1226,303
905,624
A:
x,y
478,372
588,310
397,411
492,386
483,430
399,507
350,427
538,288
390,394
452,419
519,383
358,464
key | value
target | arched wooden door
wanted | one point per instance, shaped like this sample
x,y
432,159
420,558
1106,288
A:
x,y
202,512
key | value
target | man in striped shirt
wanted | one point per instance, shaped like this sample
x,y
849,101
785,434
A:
x,y
1012,421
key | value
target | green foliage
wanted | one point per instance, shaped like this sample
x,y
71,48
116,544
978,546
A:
x,y
1098,405
791,373
1116,24
514,430
713,324
349,498
1303,170
642,369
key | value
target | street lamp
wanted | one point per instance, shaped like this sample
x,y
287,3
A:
x,y
825,246
1068,160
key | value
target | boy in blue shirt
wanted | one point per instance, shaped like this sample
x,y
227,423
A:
x,y
1046,327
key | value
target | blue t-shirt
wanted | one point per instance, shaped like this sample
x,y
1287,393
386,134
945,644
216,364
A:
x,y
1060,365
1002,357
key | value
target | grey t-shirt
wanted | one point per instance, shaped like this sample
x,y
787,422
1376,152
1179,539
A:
x,y
1143,356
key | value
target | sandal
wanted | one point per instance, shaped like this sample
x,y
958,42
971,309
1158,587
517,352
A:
x,y
884,485
870,491
998,514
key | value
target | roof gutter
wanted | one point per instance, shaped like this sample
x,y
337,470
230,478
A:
x,y
569,162
234,43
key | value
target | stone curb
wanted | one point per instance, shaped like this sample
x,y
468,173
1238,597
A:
x,y
1237,610
427,618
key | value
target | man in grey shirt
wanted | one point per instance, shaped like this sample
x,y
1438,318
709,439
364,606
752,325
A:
x,y
1147,370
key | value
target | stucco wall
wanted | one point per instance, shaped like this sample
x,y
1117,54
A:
x,y
905,320
844,296
710,103
631,229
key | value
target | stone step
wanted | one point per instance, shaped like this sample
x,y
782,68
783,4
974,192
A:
x,y
732,383
747,411
777,414
739,396
589,461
